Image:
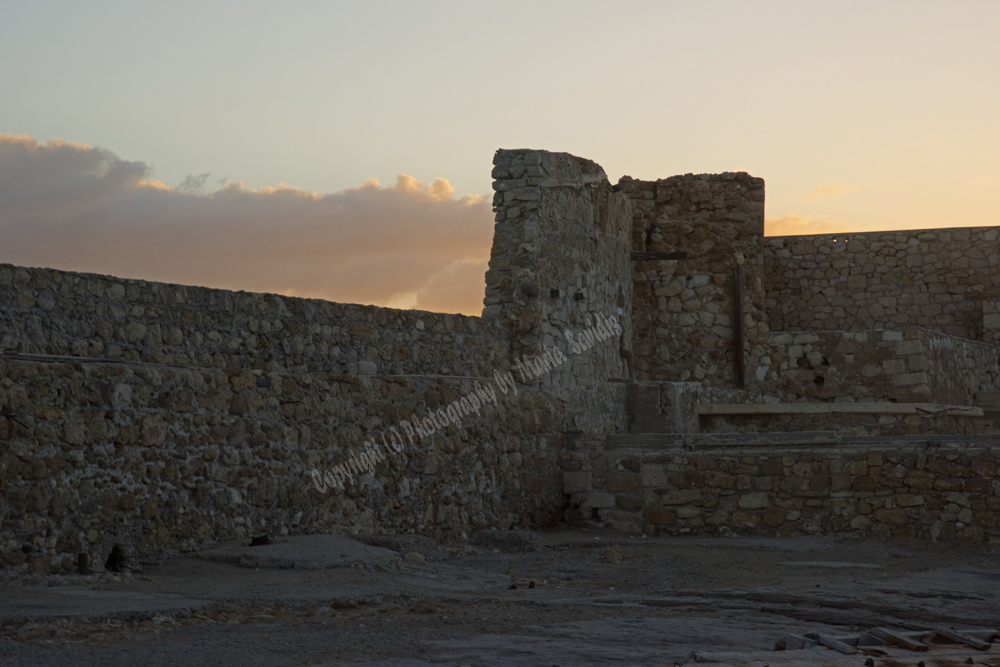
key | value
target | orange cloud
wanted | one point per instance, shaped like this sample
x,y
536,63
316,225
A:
x,y
831,190
983,180
798,225
74,207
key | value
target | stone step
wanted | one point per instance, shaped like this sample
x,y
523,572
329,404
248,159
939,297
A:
x,y
652,424
677,442
696,441
655,440
839,408
990,398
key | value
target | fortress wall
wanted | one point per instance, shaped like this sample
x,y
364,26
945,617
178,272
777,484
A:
x,y
560,260
169,417
936,279
44,311
683,309
158,459
887,491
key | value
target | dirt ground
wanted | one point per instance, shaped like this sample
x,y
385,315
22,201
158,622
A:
x,y
571,597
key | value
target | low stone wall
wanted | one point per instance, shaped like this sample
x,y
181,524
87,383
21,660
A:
x,y
157,459
683,311
44,311
880,492
934,278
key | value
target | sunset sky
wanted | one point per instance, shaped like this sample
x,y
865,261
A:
x,y
343,150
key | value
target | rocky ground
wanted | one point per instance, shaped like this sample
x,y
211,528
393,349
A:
x,y
581,597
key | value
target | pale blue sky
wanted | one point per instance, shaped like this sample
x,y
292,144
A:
x,y
898,101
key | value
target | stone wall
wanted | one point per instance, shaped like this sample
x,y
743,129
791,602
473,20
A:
x,y
991,320
881,492
899,366
560,259
157,459
43,311
160,417
683,309
936,279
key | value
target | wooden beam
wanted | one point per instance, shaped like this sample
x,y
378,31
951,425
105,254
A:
x,y
656,256
866,639
899,639
830,642
962,638
797,642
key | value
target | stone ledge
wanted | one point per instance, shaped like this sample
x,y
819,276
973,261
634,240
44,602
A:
x,y
831,408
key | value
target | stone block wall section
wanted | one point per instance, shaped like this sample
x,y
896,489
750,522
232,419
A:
x,y
936,279
898,366
891,492
44,311
560,260
161,459
683,311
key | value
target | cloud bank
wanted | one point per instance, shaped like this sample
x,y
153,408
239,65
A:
x,y
75,207
797,225
831,190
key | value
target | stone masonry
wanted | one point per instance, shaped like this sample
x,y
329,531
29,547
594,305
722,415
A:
x,y
560,257
683,313
935,278
883,492
158,417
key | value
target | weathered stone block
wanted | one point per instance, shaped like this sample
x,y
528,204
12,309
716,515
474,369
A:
x,y
626,522
618,482
753,501
659,516
893,516
909,500
840,482
681,497
907,379
858,467
629,503
653,475
920,479
598,500
894,366
774,516
577,482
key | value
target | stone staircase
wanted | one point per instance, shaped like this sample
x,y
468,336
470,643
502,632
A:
x,y
665,476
